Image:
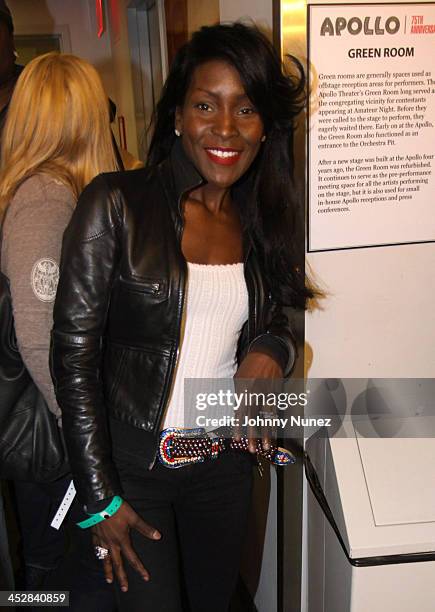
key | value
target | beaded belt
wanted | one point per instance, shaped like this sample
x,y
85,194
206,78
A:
x,y
179,447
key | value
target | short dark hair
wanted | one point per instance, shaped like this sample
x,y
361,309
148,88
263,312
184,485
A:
x,y
278,98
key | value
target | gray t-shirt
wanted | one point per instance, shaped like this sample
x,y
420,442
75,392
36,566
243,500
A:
x,y
32,238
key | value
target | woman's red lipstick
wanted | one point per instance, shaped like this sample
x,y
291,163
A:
x,y
223,156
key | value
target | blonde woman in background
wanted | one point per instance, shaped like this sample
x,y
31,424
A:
x,y
56,140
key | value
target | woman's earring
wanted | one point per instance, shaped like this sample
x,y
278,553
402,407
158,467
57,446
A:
x,y
263,138
177,132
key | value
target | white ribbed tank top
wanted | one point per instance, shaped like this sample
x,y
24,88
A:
x,y
215,309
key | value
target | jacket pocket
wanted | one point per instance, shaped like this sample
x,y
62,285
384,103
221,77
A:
x,y
116,364
151,287
141,388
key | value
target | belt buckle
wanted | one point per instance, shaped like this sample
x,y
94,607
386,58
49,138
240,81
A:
x,y
166,444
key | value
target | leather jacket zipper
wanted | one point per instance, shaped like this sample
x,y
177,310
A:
x,y
175,367
180,336
142,286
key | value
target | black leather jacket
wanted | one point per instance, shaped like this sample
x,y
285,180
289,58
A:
x,y
118,312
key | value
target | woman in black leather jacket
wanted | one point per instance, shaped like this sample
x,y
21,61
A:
x,y
175,271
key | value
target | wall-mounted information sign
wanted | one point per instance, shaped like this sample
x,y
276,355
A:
x,y
371,143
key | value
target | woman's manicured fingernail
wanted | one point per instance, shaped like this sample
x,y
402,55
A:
x,y
108,580
124,589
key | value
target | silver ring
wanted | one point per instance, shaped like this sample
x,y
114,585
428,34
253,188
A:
x,y
101,552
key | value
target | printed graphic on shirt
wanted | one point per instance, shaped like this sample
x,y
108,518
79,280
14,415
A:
x,y
44,279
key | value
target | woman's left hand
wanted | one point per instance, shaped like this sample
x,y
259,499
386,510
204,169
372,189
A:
x,y
113,534
255,366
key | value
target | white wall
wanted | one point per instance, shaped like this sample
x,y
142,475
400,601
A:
x,y
259,11
379,319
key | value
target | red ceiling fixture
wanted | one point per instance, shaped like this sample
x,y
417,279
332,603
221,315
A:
x,y
100,17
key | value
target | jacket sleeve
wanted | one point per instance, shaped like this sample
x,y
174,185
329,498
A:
x,y
90,252
277,340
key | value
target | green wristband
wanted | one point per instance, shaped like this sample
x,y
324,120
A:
x,y
113,507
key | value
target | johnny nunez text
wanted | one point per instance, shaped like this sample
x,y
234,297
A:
x,y
261,421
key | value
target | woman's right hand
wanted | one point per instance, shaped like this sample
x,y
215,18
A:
x,y
114,534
